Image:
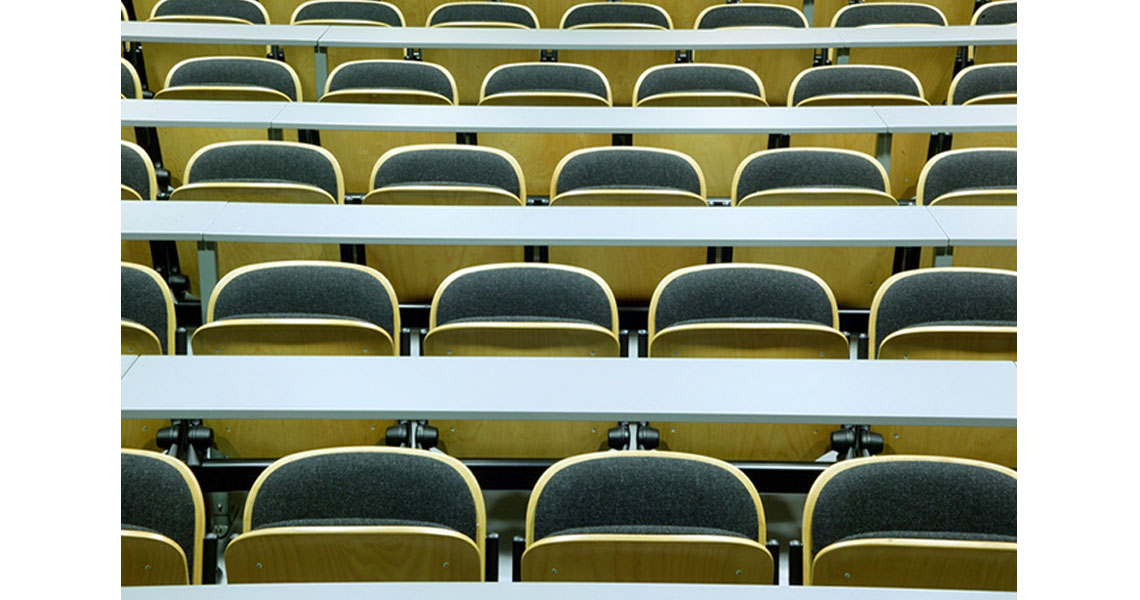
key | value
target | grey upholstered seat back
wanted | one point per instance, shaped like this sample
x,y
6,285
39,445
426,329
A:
x,y
135,171
985,80
947,297
612,13
628,168
751,15
981,169
633,494
859,15
524,294
387,75
365,489
236,71
743,295
1003,13
328,10
156,498
450,166
546,78
815,168
694,78
307,290
266,162
483,12
127,80
238,9
915,499
143,301
852,80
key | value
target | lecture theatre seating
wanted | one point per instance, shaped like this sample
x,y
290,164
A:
x,y
148,320
1003,12
994,83
163,520
138,182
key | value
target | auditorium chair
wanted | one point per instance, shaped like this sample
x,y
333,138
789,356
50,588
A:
x,y
361,514
972,177
994,13
383,82
912,522
147,321
441,174
866,85
131,89
934,66
470,65
703,85
163,521
137,182
956,12
621,67
994,83
628,176
819,177
263,171
645,516
544,84
359,13
776,68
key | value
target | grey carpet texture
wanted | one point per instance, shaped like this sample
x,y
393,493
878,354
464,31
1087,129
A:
x,y
742,295
632,168
751,15
235,71
447,166
407,75
809,169
238,9
265,163
973,170
702,78
947,298
143,302
524,294
155,498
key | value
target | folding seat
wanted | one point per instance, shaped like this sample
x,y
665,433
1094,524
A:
x,y
163,520
442,174
972,177
646,516
912,522
866,85
147,322
699,85
137,182
132,89
161,57
544,84
1003,12
620,67
628,176
957,12
776,68
275,172
687,13
383,82
819,177
361,514
370,13
985,84
471,66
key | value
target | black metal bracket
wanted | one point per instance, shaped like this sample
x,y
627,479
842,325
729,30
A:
x,y
622,139
773,547
683,56
518,547
795,562
854,441
491,558
210,571
779,140
187,440
622,436
548,56
412,434
415,54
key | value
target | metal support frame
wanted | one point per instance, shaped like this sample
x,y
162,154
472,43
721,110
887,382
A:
x,y
883,142
207,273
944,256
321,67
276,134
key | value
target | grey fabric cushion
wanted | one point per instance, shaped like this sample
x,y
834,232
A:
x,y
524,293
611,494
802,168
365,487
889,14
931,535
614,12
743,294
238,9
974,170
155,498
947,298
266,163
700,78
445,166
127,81
647,530
142,301
375,12
252,72
986,80
915,499
825,81
999,14
550,77
751,15
628,168
407,75
351,522
133,171
489,12
307,291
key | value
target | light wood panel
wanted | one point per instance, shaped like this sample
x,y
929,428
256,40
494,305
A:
x,y
853,274
622,68
908,152
139,434
538,154
934,67
521,339
718,155
138,340
747,441
648,559
329,554
749,340
991,139
281,11
522,439
301,59
632,272
470,66
292,337
990,444
143,8
137,253
950,343
984,55
917,564
274,438
957,12
151,559
776,68
992,257
549,12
